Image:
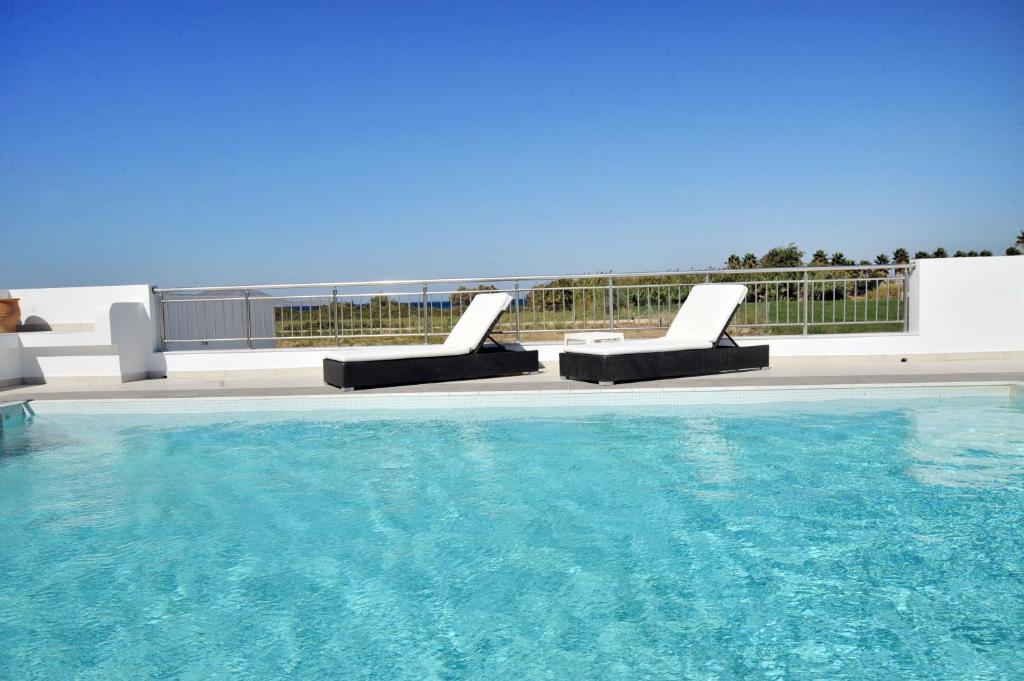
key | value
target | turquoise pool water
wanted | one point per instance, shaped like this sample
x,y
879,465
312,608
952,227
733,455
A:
x,y
845,540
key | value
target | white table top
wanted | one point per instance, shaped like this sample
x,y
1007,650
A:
x,y
588,337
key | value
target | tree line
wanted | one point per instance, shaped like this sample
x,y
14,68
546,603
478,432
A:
x,y
791,256
591,291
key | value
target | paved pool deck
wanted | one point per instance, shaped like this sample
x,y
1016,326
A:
x,y
811,373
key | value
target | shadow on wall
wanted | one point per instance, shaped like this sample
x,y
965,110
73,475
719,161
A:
x,y
129,323
34,323
119,347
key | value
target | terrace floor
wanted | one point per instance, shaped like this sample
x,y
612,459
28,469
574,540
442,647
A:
x,y
793,373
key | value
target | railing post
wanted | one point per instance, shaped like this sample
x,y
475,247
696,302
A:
x,y
247,320
807,307
611,305
515,310
334,316
906,299
163,322
423,304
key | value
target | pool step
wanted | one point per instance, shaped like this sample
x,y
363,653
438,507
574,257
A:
x,y
12,415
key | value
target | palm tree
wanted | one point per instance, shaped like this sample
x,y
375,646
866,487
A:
x,y
920,255
819,259
940,252
881,259
900,256
734,262
783,256
749,261
985,253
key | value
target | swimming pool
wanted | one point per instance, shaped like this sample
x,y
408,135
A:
x,y
715,537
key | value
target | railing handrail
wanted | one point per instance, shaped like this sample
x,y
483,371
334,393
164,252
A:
x,y
536,277
809,297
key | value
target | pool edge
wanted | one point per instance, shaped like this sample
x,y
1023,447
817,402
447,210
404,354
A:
x,y
511,399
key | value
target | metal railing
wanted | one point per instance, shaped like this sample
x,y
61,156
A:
x,y
798,300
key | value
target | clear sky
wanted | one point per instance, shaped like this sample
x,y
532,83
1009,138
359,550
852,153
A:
x,y
217,143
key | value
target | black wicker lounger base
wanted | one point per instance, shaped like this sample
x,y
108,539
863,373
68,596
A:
x,y
643,366
487,362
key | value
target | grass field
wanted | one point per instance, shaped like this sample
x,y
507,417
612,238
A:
x,y
865,314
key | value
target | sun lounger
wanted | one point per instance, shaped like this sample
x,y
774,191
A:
x,y
696,344
463,355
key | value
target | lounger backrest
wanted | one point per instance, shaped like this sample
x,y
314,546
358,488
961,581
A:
x,y
478,319
706,311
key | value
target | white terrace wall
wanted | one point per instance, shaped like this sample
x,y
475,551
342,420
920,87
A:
x,y
99,333
970,306
10,354
959,306
74,309
10,360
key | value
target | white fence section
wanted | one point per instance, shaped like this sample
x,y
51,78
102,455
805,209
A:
x,y
783,300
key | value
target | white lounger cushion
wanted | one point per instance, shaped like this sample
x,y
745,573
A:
x,y
369,353
633,347
477,320
706,311
467,335
697,326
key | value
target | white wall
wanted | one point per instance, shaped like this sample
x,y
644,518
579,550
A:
x,y
103,333
77,305
971,303
113,351
10,354
10,359
215,363
136,351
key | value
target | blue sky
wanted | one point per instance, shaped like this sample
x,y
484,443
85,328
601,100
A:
x,y
206,143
